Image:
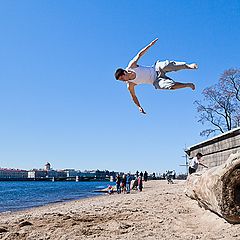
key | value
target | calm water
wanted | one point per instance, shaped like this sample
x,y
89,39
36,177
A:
x,y
19,195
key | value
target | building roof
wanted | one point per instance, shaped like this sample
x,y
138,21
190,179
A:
x,y
217,138
12,170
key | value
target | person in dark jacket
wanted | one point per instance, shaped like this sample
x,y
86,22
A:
x,y
145,176
118,183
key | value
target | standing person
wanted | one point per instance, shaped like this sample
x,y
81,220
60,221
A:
x,y
174,174
140,184
169,176
135,184
194,162
145,176
135,74
123,184
128,182
141,174
137,173
118,182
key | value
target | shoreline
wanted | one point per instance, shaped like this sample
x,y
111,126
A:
x,y
24,209
160,211
18,196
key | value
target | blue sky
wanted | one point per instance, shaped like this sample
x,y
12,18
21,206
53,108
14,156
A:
x,y
59,100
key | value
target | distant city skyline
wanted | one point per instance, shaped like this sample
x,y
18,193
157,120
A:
x,y
50,168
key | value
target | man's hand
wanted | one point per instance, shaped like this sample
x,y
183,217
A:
x,y
153,42
141,110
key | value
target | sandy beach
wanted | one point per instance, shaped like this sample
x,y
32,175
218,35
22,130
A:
x,y
161,211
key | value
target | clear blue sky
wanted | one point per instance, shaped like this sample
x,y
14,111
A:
x,y
59,100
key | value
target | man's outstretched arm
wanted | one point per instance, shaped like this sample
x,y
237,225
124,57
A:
x,y
203,165
133,62
134,97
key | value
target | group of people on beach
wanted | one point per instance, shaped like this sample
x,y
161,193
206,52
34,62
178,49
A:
x,y
128,182
123,184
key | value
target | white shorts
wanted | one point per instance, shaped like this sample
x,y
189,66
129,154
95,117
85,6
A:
x,y
163,83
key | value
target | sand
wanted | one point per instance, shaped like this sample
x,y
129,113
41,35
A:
x,y
161,211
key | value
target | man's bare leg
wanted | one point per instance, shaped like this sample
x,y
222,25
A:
x,y
179,85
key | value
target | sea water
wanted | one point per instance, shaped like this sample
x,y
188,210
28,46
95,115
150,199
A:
x,y
21,195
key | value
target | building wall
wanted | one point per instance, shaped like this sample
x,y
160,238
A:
x,y
13,173
70,172
37,174
46,174
217,150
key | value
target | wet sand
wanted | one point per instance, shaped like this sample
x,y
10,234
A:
x,y
161,211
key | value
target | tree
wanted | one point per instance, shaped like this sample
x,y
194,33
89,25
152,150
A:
x,y
220,107
230,82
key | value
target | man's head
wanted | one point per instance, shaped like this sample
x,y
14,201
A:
x,y
121,74
199,155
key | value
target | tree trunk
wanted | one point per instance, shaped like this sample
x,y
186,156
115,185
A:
x,y
218,189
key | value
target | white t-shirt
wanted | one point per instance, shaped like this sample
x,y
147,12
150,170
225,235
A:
x,y
193,163
144,75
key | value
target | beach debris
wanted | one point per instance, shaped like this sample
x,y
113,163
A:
x,y
125,226
66,217
24,223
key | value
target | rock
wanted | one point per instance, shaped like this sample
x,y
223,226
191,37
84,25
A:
x,y
2,230
25,223
217,189
66,217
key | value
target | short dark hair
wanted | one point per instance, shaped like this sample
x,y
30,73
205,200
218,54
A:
x,y
199,154
119,72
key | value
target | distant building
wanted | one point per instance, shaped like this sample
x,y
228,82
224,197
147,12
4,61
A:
x,y
46,173
101,174
71,172
87,174
35,173
91,174
49,174
61,174
47,166
6,173
41,174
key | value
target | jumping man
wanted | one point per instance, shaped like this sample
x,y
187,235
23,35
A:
x,y
135,74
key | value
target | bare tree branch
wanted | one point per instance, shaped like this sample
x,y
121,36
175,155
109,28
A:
x,y
221,107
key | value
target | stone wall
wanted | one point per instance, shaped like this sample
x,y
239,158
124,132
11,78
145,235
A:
x,y
217,149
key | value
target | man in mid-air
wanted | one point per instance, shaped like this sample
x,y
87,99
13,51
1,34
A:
x,y
135,74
